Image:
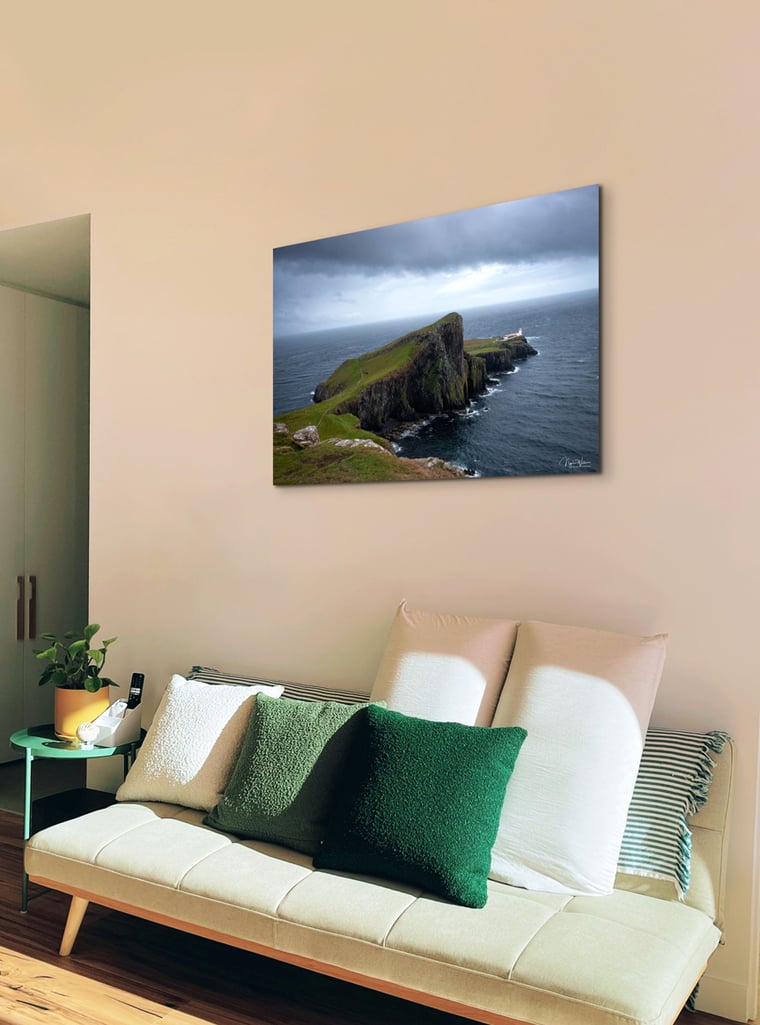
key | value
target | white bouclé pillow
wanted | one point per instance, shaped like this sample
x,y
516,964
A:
x,y
444,667
585,698
193,742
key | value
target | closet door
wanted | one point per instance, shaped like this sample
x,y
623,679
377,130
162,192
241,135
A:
x,y
44,497
56,481
11,514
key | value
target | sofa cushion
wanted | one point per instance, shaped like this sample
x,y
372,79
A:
x,y
192,744
672,783
292,755
421,803
444,667
529,956
585,697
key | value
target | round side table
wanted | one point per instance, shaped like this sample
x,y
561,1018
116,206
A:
x,y
41,742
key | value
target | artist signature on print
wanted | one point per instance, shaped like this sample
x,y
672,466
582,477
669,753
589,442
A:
x,y
574,463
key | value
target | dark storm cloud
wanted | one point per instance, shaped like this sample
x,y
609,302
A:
x,y
555,226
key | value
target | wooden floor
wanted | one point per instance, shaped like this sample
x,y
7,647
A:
x,y
128,972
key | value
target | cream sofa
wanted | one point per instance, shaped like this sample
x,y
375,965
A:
x,y
633,956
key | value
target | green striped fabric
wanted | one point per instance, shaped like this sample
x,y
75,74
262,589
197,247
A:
x,y
673,782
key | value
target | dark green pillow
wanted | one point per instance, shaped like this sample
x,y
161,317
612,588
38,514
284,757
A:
x,y
281,789
421,803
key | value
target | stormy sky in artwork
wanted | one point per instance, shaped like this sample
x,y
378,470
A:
x,y
521,249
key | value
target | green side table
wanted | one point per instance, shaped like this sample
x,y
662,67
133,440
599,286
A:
x,y
41,742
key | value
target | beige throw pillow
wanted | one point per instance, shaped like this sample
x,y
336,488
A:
x,y
444,667
585,697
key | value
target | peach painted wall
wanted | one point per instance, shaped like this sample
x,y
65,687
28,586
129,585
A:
x,y
199,137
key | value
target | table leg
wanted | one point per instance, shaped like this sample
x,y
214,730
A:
x,y
29,758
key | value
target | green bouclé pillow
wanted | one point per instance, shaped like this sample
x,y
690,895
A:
x,y
281,789
421,803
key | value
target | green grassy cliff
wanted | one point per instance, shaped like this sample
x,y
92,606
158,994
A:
x,y
341,437
415,375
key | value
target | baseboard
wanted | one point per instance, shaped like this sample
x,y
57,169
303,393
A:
x,y
726,999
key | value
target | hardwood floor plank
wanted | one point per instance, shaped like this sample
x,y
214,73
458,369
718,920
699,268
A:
x,y
53,994
125,971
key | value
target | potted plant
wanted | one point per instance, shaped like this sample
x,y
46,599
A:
x,y
75,669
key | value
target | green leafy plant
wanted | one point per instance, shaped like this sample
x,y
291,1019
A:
x,y
74,663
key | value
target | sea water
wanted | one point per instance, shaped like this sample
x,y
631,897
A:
x,y
541,419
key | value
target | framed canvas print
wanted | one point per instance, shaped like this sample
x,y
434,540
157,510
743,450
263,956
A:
x,y
449,348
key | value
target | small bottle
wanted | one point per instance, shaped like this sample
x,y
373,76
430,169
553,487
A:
x,y
135,690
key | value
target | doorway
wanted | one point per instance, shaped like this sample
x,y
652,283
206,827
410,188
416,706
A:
x,y
44,455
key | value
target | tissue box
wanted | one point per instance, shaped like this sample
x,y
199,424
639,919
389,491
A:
x,y
118,725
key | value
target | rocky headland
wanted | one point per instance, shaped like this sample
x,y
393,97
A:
x,y
344,435
420,373
432,370
486,356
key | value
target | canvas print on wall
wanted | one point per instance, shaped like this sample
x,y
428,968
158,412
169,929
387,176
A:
x,y
452,347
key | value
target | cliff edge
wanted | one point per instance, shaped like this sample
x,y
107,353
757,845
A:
x,y
486,356
420,373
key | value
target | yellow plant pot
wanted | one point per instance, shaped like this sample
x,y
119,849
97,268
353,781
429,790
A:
x,y
73,707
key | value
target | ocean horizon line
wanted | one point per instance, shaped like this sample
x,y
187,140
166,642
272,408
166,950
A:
x,y
430,317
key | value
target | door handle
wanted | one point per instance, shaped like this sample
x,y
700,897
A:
x,y
32,607
20,609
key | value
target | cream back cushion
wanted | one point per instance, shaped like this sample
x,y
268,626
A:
x,y
192,744
444,667
585,698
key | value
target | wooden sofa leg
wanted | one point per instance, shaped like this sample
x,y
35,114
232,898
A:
x,y
73,922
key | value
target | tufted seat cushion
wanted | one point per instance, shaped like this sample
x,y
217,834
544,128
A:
x,y
531,955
